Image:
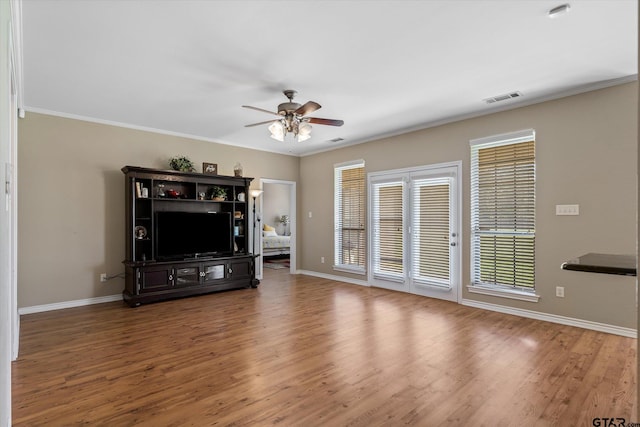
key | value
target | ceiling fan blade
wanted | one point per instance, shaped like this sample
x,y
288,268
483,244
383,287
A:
x,y
260,109
308,108
261,123
330,122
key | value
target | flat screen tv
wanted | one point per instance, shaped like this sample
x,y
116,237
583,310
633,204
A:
x,y
181,235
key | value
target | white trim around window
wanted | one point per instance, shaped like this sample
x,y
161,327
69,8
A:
x,y
522,295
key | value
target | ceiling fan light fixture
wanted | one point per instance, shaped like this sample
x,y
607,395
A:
x,y
277,130
302,137
293,119
304,132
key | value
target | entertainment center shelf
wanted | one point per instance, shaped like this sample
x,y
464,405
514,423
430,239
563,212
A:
x,y
186,234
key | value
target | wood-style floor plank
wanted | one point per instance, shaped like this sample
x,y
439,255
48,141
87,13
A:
x,y
305,351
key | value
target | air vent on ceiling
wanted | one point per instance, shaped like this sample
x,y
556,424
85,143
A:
x,y
502,97
336,140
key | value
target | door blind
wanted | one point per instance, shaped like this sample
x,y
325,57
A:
x,y
388,222
430,231
349,216
503,213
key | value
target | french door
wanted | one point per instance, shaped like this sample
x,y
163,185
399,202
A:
x,y
414,222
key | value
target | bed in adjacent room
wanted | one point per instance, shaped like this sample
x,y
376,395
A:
x,y
274,244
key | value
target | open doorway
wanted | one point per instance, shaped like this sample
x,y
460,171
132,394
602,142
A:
x,y
277,236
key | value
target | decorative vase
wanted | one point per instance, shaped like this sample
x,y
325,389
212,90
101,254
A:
x,y
237,169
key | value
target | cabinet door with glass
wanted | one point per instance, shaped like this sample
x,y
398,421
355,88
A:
x,y
214,272
188,275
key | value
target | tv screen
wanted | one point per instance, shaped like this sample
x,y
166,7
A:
x,y
192,234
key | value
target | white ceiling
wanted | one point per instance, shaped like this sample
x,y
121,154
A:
x,y
384,67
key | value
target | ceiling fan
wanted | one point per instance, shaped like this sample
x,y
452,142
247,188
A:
x,y
292,118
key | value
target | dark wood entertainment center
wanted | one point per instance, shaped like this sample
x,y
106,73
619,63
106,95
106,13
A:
x,y
150,191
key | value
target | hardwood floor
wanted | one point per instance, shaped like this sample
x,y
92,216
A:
x,y
304,351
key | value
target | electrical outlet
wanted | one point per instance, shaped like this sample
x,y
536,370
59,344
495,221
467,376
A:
x,y
560,291
322,259
103,277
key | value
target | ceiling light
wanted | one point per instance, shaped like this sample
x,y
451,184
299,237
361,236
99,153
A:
x,y
277,130
559,10
290,124
304,132
292,119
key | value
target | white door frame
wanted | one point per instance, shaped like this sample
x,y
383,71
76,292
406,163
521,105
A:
x,y
10,107
406,285
13,214
292,224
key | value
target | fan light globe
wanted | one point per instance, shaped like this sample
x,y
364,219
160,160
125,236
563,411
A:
x,y
277,131
304,130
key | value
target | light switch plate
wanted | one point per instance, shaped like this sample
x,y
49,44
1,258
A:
x,y
567,209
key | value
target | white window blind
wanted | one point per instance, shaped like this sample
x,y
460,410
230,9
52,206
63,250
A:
x,y
503,211
431,231
388,235
349,216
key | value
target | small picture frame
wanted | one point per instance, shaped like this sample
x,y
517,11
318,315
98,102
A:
x,y
210,168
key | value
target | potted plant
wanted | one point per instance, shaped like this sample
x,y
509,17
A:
x,y
181,164
218,193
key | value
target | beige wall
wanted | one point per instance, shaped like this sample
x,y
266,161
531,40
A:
x,y
72,210
586,150
71,199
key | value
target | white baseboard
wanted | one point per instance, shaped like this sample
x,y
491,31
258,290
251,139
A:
x,y
333,277
68,304
553,318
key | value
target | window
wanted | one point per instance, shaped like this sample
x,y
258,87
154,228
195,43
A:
x,y
503,213
349,211
388,225
431,226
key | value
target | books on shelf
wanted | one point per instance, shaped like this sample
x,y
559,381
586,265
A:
x,y
141,191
